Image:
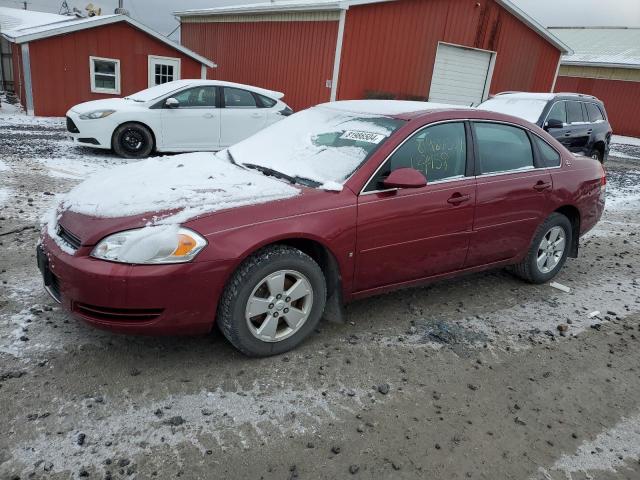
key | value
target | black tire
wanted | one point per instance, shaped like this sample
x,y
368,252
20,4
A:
x,y
133,140
528,269
231,309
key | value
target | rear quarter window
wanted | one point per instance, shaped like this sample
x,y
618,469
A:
x,y
594,112
549,156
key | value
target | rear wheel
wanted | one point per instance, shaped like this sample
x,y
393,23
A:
x,y
272,302
548,251
597,154
133,140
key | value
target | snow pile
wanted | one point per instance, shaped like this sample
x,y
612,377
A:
x,y
319,144
3,166
190,184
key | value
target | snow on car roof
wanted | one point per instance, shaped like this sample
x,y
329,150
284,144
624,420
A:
x,y
387,107
194,184
523,105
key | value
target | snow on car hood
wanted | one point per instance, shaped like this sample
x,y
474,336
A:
x,y
176,189
105,104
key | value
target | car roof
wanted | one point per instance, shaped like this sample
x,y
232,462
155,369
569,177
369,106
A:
x,y
546,96
402,109
221,83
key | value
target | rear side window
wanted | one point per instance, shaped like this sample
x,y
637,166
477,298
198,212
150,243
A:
x,y
266,101
502,148
550,157
595,114
238,98
558,112
574,112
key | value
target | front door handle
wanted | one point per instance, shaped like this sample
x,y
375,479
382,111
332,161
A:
x,y
542,186
208,115
256,115
568,134
458,198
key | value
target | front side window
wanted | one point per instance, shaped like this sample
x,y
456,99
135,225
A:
x,y
574,112
439,152
595,114
558,112
502,148
267,102
550,157
238,98
199,97
105,75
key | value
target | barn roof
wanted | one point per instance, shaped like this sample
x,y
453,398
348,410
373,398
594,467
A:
x,y
20,26
602,46
324,5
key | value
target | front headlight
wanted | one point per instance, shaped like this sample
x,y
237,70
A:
x,y
151,245
97,114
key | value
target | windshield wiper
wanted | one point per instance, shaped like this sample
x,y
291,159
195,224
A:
x,y
271,172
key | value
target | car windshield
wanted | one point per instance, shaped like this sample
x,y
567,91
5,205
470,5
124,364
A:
x,y
529,109
156,92
320,144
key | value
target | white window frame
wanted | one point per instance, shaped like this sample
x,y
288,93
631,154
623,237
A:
x,y
92,73
151,62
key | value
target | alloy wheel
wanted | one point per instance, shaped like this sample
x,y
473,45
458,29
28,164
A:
x,y
279,305
132,140
551,249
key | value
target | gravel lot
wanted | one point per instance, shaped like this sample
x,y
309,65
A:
x,y
469,378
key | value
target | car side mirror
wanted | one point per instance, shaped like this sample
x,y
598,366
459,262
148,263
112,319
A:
x,y
171,103
554,123
405,178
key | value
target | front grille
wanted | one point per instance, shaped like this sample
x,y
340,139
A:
x,y
118,314
68,237
71,127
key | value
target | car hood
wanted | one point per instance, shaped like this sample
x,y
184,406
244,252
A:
x,y
160,191
104,104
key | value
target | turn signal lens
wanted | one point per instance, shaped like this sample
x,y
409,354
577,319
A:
x,y
185,245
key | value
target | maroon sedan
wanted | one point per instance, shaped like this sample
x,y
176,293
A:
x,y
335,203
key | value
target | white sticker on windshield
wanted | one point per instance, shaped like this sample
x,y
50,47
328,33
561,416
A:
x,y
360,136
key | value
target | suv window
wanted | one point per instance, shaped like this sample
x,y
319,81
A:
x,y
439,152
574,112
502,148
197,97
550,157
558,112
238,98
595,114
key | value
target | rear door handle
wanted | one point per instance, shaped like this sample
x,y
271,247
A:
x,y
542,186
457,199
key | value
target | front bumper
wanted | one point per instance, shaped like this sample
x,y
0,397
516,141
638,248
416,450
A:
x,y
89,133
134,299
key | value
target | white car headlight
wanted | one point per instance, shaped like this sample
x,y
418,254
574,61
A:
x,y
97,114
151,245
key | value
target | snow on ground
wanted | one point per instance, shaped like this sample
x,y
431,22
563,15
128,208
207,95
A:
x,y
623,190
609,451
619,139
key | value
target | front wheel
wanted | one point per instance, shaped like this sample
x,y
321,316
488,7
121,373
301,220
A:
x,y
548,251
272,302
133,140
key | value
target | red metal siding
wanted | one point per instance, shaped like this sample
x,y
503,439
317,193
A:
x,y
391,47
294,57
621,99
60,65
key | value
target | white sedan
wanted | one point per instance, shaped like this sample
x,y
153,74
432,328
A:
x,y
180,116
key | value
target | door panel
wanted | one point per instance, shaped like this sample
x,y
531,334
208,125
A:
x,y
241,116
509,208
411,234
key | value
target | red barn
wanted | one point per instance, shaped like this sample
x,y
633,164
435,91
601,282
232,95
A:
x,y
606,64
452,51
59,61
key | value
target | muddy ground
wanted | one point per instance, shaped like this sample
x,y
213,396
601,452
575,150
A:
x,y
468,378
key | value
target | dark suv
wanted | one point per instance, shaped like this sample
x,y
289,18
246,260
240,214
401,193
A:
x,y
577,121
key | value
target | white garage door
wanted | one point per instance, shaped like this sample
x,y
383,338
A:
x,y
460,75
